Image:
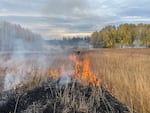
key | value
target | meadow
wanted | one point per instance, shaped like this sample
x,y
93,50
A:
x,y
126,74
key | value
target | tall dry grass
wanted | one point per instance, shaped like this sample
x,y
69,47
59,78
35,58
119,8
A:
x,y
126,74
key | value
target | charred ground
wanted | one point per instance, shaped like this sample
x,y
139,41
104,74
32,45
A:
x,y
50,97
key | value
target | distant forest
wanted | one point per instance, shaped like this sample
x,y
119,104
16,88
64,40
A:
x,y
129,35
14,37
70,41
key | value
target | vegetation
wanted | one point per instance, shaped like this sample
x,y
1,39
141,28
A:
x,y
69,41
14,37
123,35
41,91
125,73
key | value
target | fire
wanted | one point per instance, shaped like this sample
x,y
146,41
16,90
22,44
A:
x,y
83,71
54,73
77,65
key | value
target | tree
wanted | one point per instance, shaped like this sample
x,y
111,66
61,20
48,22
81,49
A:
x,y
124,34
94,39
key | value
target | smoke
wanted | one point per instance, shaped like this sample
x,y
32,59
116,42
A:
x,y
14,78
22,69
27,61
16,42
11,81
15,38
65,77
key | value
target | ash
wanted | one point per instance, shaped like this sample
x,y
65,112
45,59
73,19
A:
x,y
51,97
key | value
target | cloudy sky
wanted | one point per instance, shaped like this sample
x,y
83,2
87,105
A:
x,y
57,18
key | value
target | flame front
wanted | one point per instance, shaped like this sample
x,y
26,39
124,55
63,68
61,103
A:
x,y
54,73
83,71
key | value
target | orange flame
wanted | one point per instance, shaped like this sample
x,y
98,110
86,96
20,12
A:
x,y
54,73
77,65
83,71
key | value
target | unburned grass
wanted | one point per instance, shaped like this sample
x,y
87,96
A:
x,y
126,74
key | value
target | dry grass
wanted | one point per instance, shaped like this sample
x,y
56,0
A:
x,y
32,70
126,74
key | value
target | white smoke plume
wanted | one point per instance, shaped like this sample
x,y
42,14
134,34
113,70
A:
x,y
26,61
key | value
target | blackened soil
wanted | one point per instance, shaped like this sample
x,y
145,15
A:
x,y
52,98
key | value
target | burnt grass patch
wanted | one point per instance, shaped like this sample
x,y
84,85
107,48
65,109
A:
x,y
50,97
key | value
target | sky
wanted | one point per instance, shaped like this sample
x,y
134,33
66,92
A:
x,y
58,18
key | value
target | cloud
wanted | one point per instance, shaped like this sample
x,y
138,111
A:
x,y
12,7
79,16
67,7
56,18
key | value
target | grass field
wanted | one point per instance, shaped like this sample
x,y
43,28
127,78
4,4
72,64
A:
x,y
126,74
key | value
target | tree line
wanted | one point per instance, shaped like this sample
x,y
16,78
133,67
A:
x,y
75,40
69,41
14,37
123,35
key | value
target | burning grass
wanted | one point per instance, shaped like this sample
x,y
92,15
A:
x,y
83,71
125,73
63,84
